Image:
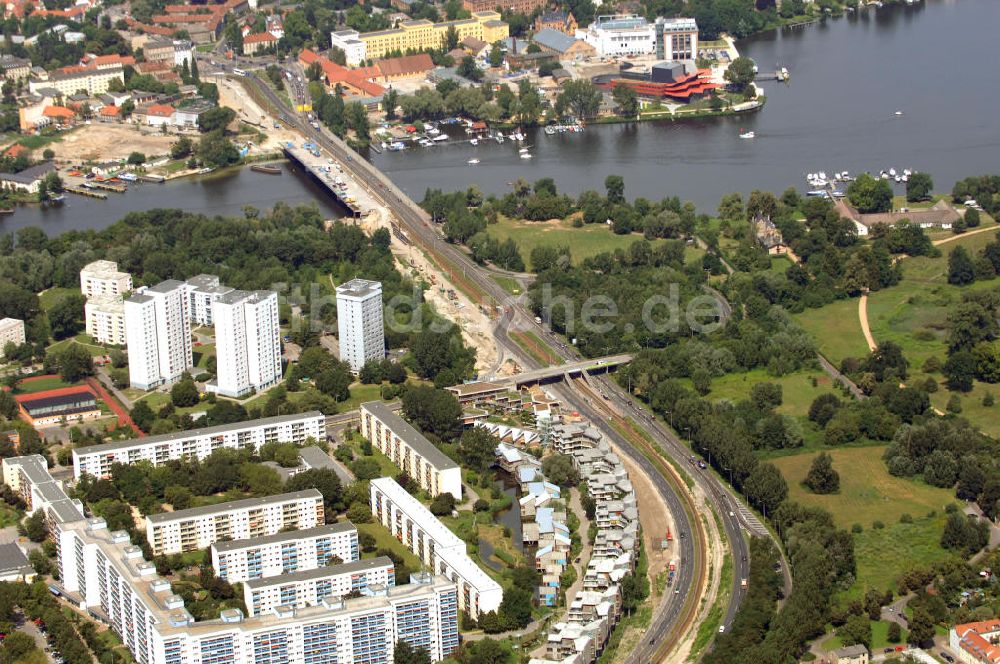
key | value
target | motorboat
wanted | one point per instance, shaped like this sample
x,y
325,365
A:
x,y
397,146
892,172
817,193
474,141
550,131
523,150
426,142
499,138
897,113
473,161
433,131
525,155
747,134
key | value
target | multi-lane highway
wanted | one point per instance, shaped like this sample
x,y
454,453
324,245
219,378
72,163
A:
x,y
676,609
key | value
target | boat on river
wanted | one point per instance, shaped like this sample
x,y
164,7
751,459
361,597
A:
x,y
266,168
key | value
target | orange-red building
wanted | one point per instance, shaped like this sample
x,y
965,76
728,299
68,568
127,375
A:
x,y
53,407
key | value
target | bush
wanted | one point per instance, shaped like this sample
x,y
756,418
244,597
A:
x,y
857,529
878,525
988,399
905,518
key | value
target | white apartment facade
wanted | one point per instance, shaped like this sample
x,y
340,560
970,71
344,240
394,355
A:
x,y
349,41
105,318
200,527
439,548
202,291
620,35
198,444
159,335
432,469
247,343
679,40
239,561
359,322
301,589
102,570
11,332
104,279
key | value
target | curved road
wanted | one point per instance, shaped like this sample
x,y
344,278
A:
x,y
417,222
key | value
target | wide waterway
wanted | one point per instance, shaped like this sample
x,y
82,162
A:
x,y
932,61
849,76
224,193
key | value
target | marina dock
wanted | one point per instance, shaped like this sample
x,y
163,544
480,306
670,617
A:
x,y
81,191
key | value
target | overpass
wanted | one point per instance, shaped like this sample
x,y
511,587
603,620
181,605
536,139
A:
x,y
558,371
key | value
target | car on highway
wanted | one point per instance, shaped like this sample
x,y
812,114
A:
x,y
722,629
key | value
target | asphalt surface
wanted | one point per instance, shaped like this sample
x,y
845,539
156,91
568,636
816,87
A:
x,y
417,223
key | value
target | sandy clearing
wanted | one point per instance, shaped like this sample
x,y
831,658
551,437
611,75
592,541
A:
x,y
100,142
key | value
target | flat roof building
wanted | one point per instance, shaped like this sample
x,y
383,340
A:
x,y
105,320
198,444
159,335
437,547
416,456
200,527
360,329
237,561
11,332
104,279
309,588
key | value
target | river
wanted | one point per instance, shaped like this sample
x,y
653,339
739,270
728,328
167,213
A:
x,y
224,193
849,76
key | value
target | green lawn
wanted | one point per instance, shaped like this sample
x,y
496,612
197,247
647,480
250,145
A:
x,y
880,638
797,389
361,393
868,494
8,516
383,540
50,297
95,350
584,242
836,329
47,383
508,284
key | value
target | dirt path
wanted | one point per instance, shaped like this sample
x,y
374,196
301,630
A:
x,y
475,325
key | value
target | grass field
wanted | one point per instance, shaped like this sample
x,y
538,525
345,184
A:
x,y
508,284
914,315
42,384
584,242
383,540
8,516
836,329
869,494
48,299
797,389
880,638
95,350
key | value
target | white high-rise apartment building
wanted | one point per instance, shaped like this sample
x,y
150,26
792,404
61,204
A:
x,y
301,589
265,557
359,322
102,279
247,342
105,318
159,334
202,291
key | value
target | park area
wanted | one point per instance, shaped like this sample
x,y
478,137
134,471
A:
x,y
872,498
584,242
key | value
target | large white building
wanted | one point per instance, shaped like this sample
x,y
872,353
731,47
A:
x,y
349,41
200,527
309,588
416,456
11,332
102,570
620,35
105,317
283,553
198,444
29,478
623,35
437,547
202,291
103,279
247,342
359,322
159,334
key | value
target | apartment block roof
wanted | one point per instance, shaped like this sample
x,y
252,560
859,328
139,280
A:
x,y
321,572
286,536
192,433
232,506
409,435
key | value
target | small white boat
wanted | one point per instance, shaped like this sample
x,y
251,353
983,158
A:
x,y
907,172
441,138
473,161
747,134
892,172
898,113
898,178
433,131
525,155
523,150
426,143
499,138
474,141
821,175
549,131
